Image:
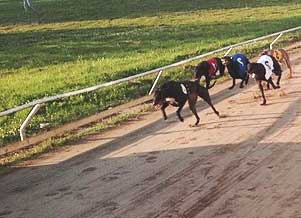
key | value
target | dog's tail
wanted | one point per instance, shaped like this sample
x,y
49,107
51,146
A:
x,y
204,94
210,86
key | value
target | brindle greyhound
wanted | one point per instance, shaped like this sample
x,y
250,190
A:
x,y
178,93
282,57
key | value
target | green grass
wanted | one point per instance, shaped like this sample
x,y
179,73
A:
x,y
70,45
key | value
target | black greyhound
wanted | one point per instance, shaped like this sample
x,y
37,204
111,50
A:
x,y
258,71
237,68
177,93
210,69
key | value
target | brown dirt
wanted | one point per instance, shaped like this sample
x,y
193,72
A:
x,y
247,164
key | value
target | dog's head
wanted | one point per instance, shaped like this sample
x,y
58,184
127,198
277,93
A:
x,y
252,69
200,70
226,60
159,98
278,54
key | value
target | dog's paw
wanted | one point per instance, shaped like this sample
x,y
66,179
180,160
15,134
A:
x,y
231,87
222,116
195,124
263,103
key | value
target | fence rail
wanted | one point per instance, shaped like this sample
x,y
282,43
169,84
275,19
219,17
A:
x,y
97,87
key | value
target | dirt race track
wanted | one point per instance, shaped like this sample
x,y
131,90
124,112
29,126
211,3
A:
x,y
245,165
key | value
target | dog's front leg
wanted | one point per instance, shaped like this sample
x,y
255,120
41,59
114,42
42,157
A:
x,y
247,79
270,81
262,92
242,83
181,105
233,83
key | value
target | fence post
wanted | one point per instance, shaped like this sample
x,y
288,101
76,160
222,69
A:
x,y
27,120
155,82
228,51
271,45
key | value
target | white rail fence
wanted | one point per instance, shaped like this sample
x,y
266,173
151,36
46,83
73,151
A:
x,y
160,70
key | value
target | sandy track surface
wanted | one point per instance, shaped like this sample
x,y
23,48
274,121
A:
x,y
247,164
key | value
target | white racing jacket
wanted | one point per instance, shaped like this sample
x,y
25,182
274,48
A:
x,y
268,64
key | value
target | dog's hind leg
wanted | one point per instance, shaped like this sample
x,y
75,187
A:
x,y
270,81
262,92
288,64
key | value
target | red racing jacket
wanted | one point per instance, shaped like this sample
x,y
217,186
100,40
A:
x,y
213,67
